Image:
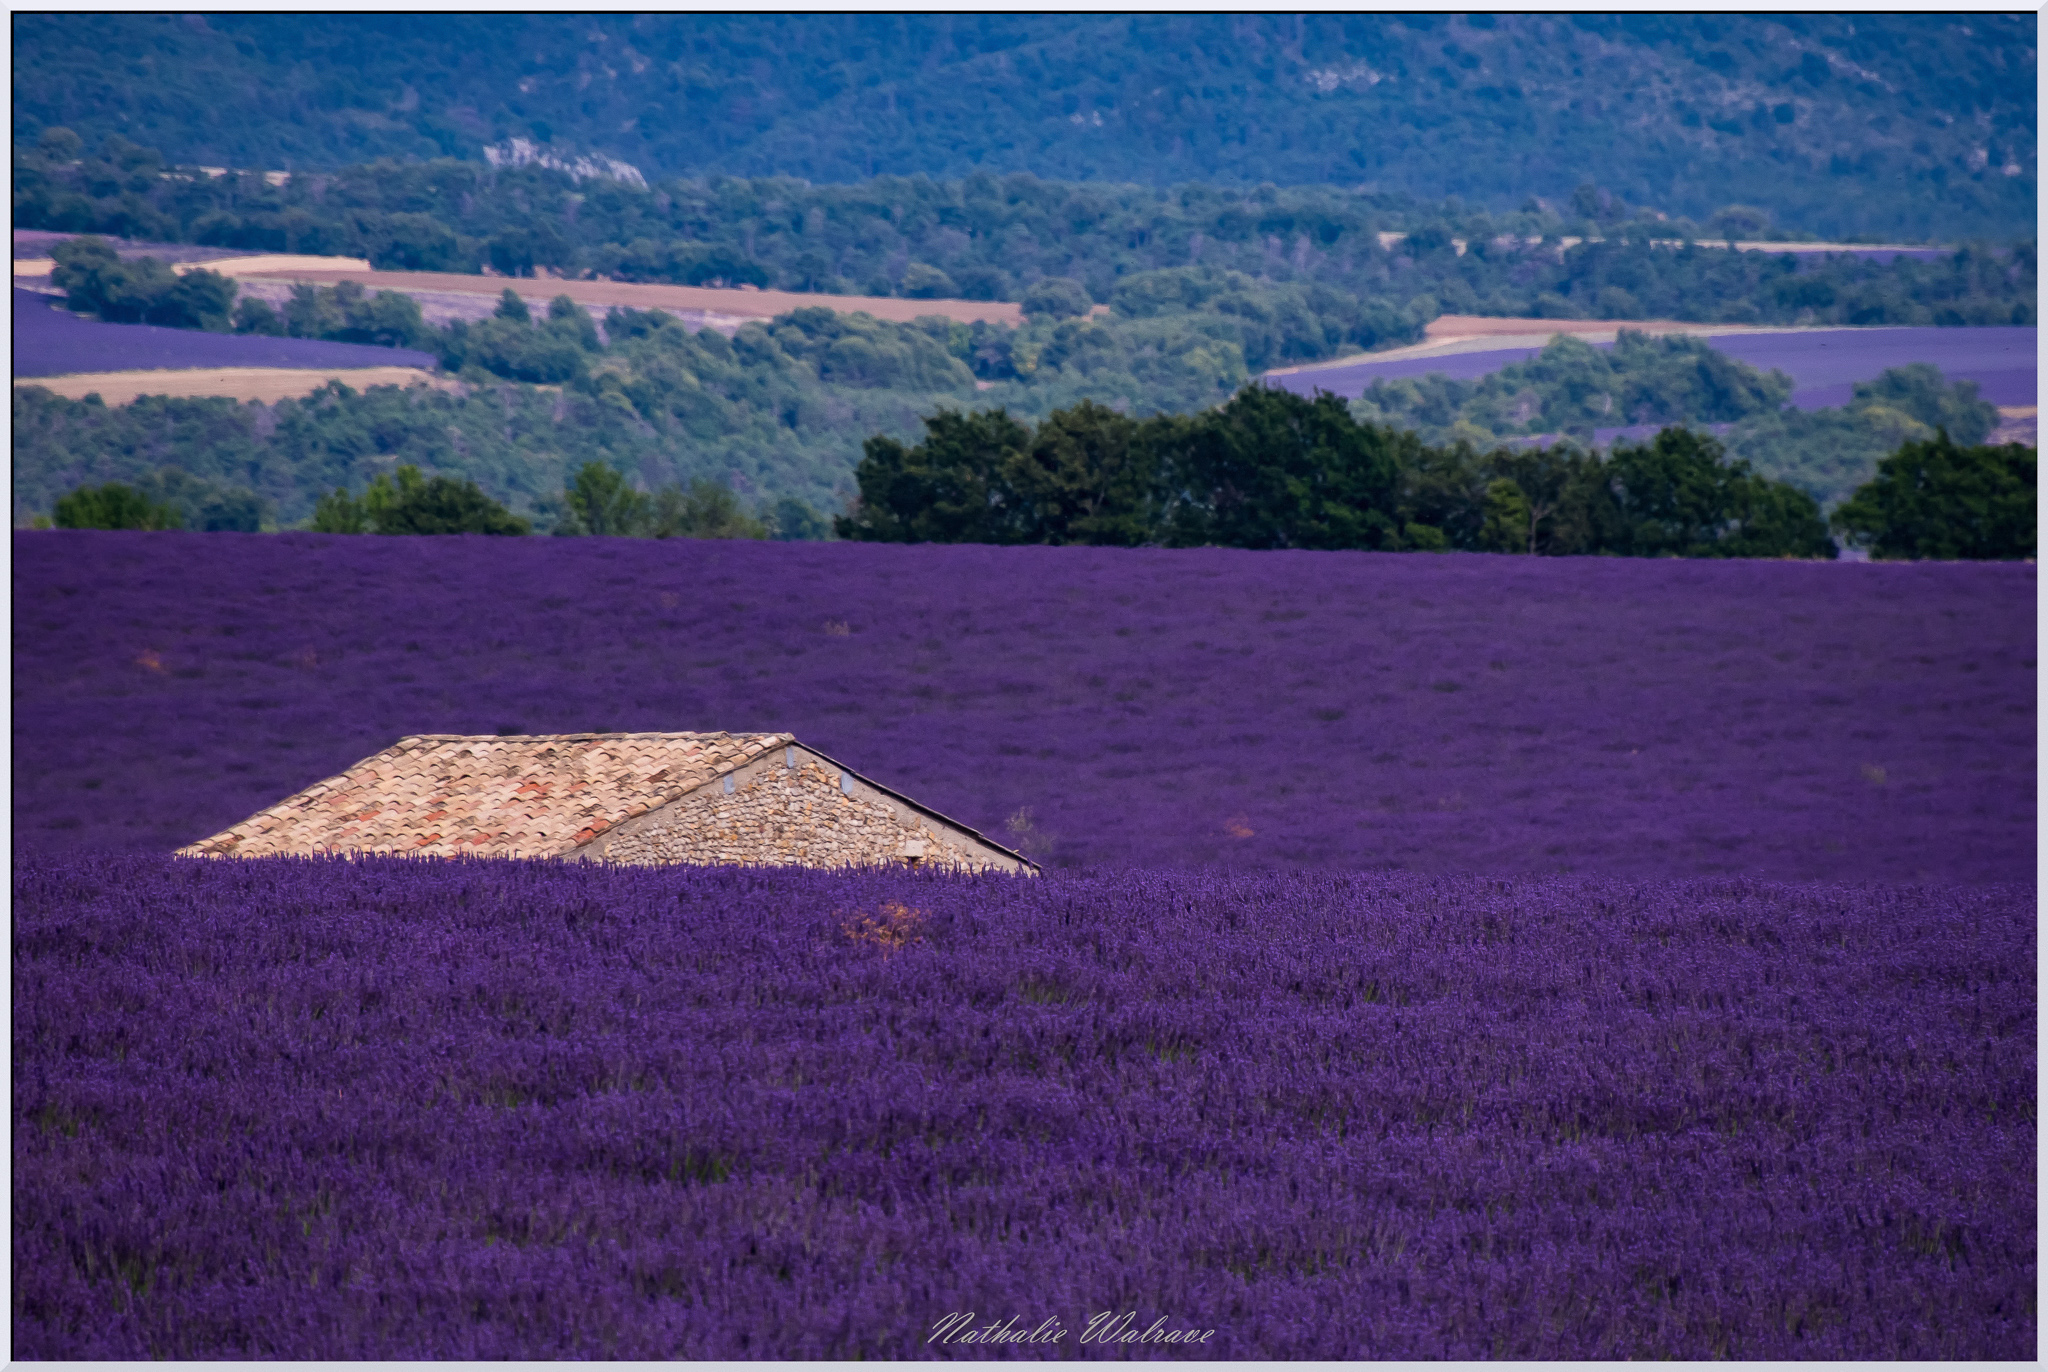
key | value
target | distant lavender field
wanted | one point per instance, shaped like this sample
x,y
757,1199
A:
x,y
1823,363
31,243
50,342
1646,719
393,1110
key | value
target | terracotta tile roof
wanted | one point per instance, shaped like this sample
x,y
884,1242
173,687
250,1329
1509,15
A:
x,y
535,795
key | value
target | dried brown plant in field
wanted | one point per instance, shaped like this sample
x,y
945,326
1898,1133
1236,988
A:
x,y
895,928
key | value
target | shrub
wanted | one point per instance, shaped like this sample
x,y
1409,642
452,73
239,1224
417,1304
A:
x,y
706,510
601,502
415,504
114,506
921,281
1057,297
96,281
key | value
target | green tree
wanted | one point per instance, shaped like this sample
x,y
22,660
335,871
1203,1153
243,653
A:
x,y
948,489
601,502
253,315
1272,469
1777,520
204,504
1057,297
708,509
1443,499
1551,500
1511,521
568,319
1734,222
418,243
60,144
518,249
1938,499
1678,496
1922,394
389,319
922,281
792,520
339,513
517,351
414,504
97,281
1675,495
1088,475
114,506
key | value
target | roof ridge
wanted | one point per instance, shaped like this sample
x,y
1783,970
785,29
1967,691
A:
x,y
642,733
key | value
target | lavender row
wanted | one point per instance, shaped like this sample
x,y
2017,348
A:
x,y
1204,707
306,1109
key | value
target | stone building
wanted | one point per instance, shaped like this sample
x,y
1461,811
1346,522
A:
x,y
755,799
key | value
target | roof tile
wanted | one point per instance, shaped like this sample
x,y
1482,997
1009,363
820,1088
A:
x,y
439,794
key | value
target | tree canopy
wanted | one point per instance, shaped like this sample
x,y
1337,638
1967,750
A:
x,y
114,505
1939,499
1271,469
406,502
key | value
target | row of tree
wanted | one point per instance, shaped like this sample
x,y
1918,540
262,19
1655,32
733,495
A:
x,y
1275,470
598,500
1269,470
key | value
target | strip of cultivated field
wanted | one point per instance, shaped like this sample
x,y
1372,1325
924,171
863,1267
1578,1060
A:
x,y
742,303
267,384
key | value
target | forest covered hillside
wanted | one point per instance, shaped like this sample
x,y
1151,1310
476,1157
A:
x,y
1886,126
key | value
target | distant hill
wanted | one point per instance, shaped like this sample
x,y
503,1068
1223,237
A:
x,y
1895,126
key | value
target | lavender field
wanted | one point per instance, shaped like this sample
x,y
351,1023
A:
x,y
1337,711
50,342
291,1109
1824,364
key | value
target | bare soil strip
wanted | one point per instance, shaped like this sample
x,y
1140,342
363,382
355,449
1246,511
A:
x,y
710,300
242,265
267,384
278,262
1456,326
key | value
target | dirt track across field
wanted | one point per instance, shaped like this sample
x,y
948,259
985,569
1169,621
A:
x,y
706,300
267,384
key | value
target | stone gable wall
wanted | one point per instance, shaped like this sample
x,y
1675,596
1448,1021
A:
x,y
783,816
